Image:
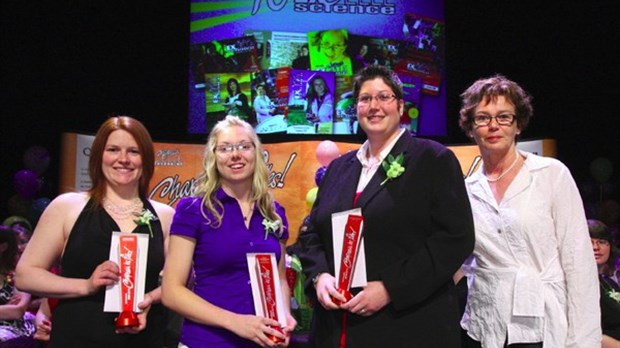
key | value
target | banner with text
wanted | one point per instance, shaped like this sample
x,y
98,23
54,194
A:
x,y
292,165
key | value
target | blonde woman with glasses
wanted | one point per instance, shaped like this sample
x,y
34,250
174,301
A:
x,y
212,231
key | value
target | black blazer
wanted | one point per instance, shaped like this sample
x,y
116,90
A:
x,y
418,229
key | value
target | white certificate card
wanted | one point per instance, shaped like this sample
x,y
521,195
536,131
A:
x,y
256,287
113,292
339,222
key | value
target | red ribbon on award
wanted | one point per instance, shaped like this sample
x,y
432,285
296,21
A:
x,y
350,247
128,252
264,270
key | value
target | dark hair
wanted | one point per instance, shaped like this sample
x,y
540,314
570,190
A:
x,y
372,72
22,233
311,93
233,80
488,90
598,230
145,145
8,259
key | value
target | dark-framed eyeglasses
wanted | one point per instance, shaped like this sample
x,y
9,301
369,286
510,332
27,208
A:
x,y
599,242
501,119
383,98
227,149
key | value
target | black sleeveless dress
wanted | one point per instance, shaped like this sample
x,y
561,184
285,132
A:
x,y
81,322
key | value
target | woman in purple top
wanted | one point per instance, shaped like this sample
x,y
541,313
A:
x,y
213,231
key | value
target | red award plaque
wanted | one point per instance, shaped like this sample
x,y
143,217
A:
x,y
350,248
128,252
264,271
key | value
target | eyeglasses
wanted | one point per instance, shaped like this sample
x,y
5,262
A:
x,y
332,47
381,98
599,242
501,119
228,149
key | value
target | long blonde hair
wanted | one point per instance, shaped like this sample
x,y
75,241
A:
x,y
209,181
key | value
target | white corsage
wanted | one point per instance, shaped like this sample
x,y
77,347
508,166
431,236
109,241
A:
x,y
272,227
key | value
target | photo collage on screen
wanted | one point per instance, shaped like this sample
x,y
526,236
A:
x,y
301,83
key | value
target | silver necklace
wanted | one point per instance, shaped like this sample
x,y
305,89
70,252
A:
x,y
123,211
504,172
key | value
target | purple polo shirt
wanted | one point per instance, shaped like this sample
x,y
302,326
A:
x,y
220,264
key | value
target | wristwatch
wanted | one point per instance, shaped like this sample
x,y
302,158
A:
x,y
315,279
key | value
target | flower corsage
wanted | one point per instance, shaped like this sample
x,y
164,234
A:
x,y
272,227
145,218
614,295
393,167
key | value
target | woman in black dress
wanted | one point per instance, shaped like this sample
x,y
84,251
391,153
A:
x,y
77,229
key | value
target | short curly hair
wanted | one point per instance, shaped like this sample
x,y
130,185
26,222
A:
x,y
488,90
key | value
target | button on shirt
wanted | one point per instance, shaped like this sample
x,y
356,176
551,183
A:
x,y
534,275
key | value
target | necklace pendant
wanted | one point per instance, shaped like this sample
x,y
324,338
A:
x,y
246,214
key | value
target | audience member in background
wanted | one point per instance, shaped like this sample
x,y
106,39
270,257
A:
x,y
14,319
231,214
418,230
77,229
605,255
534,280
23,235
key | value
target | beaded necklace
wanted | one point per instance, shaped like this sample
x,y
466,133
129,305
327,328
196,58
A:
x,y
123,211
504,172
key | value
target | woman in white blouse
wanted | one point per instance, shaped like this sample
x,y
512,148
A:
x,y
262,104
533,276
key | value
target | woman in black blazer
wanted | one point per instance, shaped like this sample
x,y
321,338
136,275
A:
x,y
418,230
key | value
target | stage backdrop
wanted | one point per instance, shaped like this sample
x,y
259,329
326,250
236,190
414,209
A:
x,y
251,41
293,166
